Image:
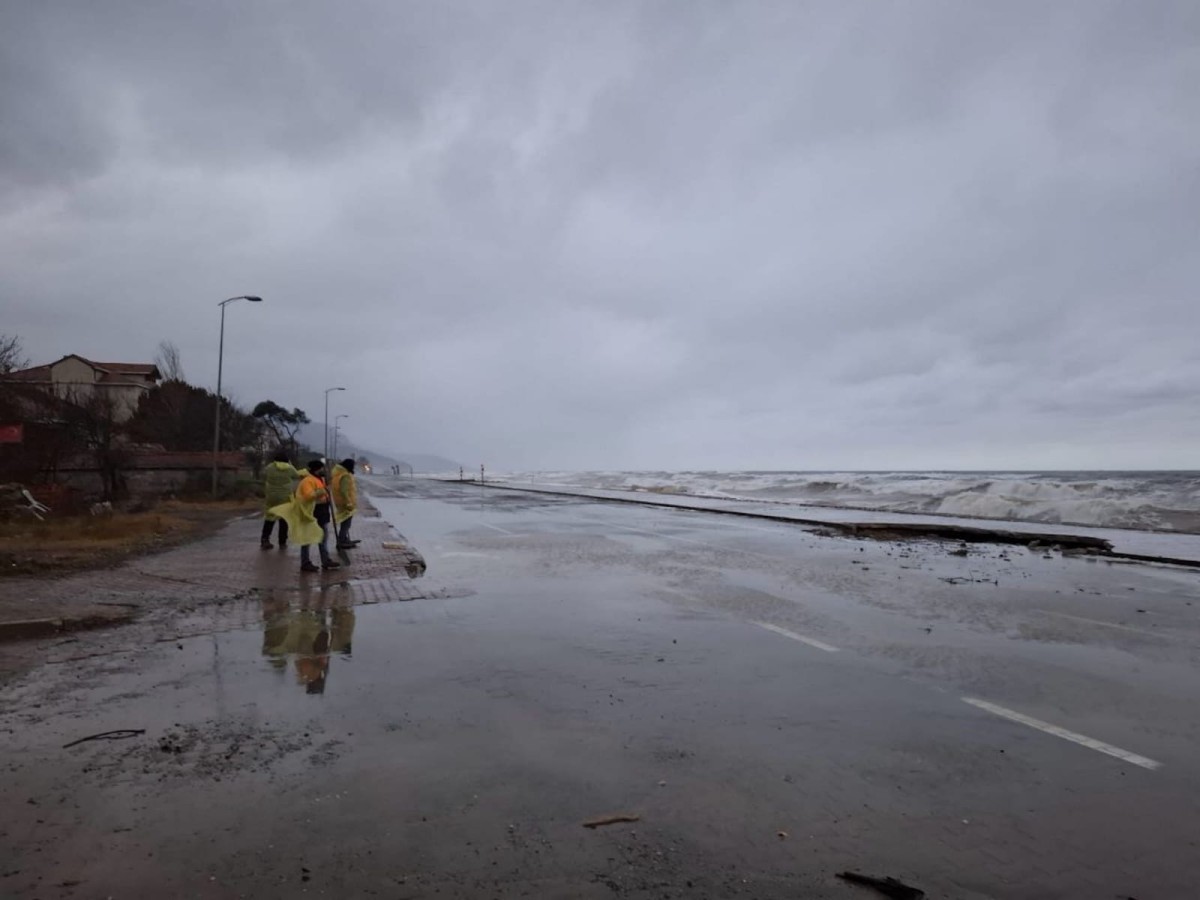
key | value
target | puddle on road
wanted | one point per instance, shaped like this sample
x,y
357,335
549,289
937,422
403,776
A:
x,y
223,661
307,640
281,678
280,684
310,637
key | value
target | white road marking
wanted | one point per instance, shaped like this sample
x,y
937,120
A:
x,y
828,648
1082,740
498,528
1059,615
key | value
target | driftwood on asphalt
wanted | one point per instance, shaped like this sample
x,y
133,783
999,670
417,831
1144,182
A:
x,y
889,887
116,735
611,820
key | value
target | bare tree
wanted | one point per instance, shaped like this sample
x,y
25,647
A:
x,y
168,361
12,354
91,420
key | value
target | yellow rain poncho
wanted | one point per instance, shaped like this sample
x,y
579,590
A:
x,y
277,485
345,493
298,512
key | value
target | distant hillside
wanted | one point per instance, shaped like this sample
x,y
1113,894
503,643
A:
x,y
425,462
313,435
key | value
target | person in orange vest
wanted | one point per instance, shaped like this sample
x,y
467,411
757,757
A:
x,y
308,517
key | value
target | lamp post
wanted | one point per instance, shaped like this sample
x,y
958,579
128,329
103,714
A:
x,y
220,367
326,422
335,431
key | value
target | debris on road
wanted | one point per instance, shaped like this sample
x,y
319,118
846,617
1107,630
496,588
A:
x,y
889,887
611,820
116,735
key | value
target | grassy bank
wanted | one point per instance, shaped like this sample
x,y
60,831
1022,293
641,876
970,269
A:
x,y
71,543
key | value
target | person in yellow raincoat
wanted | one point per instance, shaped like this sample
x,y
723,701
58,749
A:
x,y
345,502
277,489
307,515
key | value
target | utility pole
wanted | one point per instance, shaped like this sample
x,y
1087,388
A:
x,y
220,367
326,421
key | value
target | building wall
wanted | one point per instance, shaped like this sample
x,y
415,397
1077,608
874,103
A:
x,y
74,379
148,483
125,399
73,376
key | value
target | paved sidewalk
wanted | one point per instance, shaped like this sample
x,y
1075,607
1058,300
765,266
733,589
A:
x,y
226,566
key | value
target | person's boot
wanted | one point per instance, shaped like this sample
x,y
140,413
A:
x,y
331,564
266,545
308,567
347,545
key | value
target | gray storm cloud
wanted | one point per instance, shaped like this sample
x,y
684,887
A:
x,y
680,234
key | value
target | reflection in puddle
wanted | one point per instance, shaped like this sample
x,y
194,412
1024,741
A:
x,y
308,635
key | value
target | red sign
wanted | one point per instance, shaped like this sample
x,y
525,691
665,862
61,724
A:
x,y
12,434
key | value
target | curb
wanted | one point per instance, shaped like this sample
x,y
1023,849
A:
x,y
24,629
29,629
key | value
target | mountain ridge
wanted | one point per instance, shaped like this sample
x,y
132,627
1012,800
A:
x,y
313,435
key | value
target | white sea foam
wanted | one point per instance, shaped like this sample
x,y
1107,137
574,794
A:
x,y
1168,501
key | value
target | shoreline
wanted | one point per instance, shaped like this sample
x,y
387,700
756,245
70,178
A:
x,y
840,507
682,483
875,524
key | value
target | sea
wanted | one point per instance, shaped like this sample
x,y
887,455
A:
x,y
1143,500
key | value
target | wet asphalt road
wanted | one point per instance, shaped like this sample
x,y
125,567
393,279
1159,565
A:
x,y
774,705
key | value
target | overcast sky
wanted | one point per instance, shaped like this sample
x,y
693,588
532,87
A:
x,y
649,235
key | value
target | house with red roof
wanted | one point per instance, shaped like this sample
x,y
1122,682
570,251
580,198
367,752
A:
x,y
80,380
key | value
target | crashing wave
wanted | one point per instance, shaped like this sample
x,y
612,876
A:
x,y
1161,501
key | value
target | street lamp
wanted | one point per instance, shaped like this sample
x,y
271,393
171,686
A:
x,y
327,390
220,366
335,431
